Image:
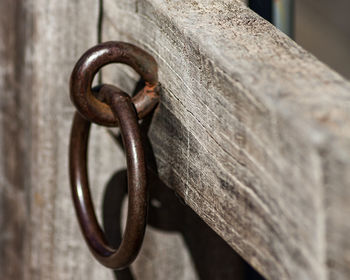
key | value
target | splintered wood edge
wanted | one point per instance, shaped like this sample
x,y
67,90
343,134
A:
x,y
252,131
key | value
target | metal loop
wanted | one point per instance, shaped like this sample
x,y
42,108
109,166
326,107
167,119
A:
x,y
123,110
112,52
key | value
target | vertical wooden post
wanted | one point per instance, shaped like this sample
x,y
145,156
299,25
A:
x,y
39,235
283,16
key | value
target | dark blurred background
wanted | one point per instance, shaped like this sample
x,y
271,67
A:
x,y
321,27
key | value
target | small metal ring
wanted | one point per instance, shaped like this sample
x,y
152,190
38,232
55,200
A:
x,y
105,53
122,107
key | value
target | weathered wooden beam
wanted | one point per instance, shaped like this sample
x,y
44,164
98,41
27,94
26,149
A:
x,y
14,169
39,235
252,131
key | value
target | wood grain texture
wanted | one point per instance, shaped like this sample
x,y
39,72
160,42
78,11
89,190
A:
x,y
252,131
40,42
39,234
13,167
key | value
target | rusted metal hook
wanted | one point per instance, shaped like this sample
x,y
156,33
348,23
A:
x,y
121,105
113,107
112,52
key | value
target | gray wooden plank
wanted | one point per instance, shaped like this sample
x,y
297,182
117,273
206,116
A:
x,y
13,170
40,43
250,131
337,210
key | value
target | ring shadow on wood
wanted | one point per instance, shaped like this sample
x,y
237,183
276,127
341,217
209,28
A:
x,y
212,257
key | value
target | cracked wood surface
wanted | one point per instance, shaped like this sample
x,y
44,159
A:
x,y
252,131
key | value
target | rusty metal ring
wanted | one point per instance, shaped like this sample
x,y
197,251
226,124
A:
x,y
122,107
91,62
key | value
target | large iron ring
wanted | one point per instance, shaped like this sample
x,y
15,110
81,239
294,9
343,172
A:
x,y
121,106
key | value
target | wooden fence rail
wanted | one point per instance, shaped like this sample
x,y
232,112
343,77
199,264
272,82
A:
x,y
252,132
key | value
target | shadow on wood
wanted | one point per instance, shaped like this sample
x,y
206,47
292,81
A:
x,y
213,258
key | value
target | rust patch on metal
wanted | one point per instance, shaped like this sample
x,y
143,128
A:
x,y
91,62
